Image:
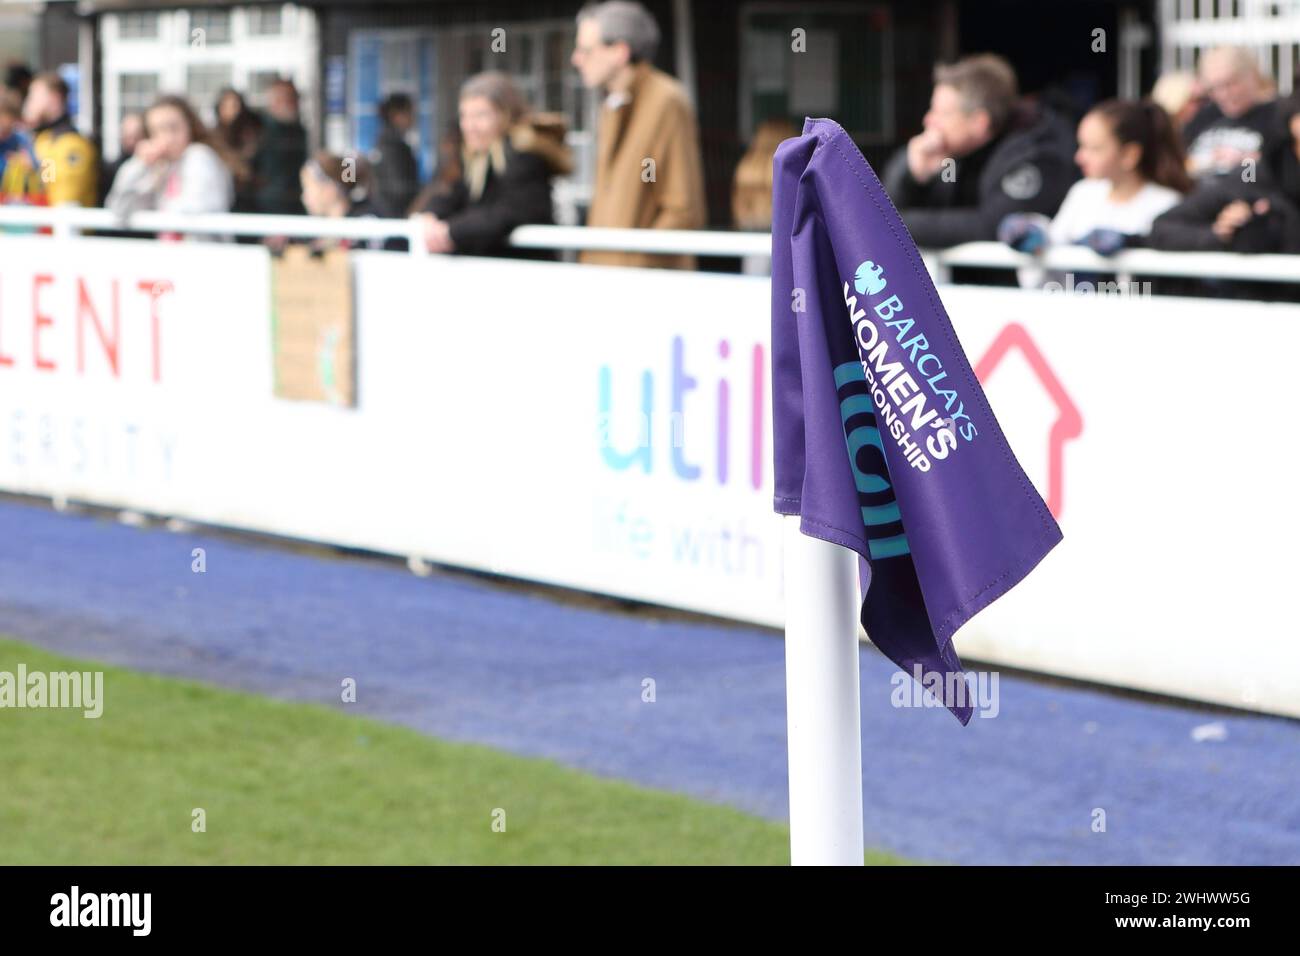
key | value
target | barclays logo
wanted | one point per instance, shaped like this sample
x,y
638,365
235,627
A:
x,y
869,279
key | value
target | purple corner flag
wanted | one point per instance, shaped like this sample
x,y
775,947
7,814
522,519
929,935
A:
x,y
883,440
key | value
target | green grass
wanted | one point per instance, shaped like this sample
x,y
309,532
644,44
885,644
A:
x,y
294,783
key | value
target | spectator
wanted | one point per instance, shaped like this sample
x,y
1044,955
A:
x,y
337,186
1232,213
1224,215
130,132
1285,160
15,145
396,173
281,152
648,166
505,168
751,187
238,129
1133,171
1181,96
230,108
19,174
982,155
1238,154
449,169
70,158
175,169
1231,134
18,78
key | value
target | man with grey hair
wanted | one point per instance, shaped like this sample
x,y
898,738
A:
x,y
649,172
982,154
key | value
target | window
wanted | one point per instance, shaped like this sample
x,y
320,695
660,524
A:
x,y
209,28
838,63
204,82
264,21
136,91
256,86
137,26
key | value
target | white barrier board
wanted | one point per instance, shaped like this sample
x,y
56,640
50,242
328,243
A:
x,y
609,429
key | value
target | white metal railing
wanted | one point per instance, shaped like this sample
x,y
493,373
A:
x,y
67,221
677,241
1262,267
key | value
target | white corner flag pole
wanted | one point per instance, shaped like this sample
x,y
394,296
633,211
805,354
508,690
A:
x,y
823,710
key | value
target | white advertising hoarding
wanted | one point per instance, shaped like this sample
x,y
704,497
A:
x,y
609,429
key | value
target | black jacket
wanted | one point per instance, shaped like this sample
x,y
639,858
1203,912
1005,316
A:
x,y
395,173
1188,227
521,194
1255,131
281,153
1027,168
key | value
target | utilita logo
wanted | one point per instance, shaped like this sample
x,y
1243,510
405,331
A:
x,y
664,429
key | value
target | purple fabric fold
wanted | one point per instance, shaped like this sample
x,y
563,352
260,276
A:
x,y
883,440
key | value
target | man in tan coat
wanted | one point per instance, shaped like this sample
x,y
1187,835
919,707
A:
x,y
648,169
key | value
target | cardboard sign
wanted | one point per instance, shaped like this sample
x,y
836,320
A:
x,y
314,326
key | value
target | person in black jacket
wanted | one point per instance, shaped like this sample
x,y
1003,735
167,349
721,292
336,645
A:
x,y
1236,130
502,177
1250,208
982,155
281,152
393,166
1286,154
1228,216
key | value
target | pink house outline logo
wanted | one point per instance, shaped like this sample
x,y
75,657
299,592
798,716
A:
x,y
1068,424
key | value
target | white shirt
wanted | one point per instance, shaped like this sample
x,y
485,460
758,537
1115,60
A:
x,y
1088,206
198,183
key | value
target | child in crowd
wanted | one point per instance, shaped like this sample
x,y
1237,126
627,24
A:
x,y
341,186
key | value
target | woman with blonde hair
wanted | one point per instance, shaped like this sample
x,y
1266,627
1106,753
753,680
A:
x,y
1181,95
751,188
503,180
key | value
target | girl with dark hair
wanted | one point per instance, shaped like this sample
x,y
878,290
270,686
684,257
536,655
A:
x,y
230,106
1133,171
176,168
237,131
